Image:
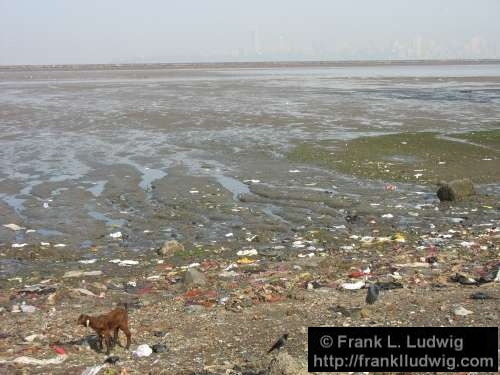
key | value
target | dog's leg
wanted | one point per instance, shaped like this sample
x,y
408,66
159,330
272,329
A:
x,y
108,342
128,334
99,346
116,340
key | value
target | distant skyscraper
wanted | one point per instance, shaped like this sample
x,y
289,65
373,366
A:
x,y
256,41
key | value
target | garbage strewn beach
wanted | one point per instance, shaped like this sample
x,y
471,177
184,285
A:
x,y
220,227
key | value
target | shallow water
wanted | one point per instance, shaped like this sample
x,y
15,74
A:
x,y
75,130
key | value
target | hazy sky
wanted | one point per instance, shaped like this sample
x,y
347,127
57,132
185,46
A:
x,y
114,31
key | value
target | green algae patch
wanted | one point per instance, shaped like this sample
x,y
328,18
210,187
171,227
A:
x,y
486,138
409,157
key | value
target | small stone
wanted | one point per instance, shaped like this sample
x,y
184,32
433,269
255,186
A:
x,y
170,247
159,348
194,277
193,309
461,311
455,190
365,313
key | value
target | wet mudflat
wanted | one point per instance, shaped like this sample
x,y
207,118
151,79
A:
x,y
270,181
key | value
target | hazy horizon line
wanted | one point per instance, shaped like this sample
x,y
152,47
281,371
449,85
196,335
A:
x,y
456,61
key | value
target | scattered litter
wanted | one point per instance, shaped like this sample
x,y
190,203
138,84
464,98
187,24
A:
x,y
45,205
124,263
60,245
39,289
44,243
252,238
294,171
116,235
462,311
13,226
94,370
353,286
33,337
251,252
85,292
228,274
387,216
58,349
25,360
88,261
78,273
391,187
229,234
245,260
143,350
412,265
194,192
19,245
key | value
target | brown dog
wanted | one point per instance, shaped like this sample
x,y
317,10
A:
x,y
105,324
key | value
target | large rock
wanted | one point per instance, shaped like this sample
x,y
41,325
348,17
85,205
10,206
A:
x,y
194,277
455,190
169,248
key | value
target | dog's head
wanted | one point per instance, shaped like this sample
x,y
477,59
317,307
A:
x,y
84,320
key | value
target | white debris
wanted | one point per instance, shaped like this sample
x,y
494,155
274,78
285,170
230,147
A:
x,y
44,243
298,244
78,273
19,245
45,205
228,274
347,247
13,226
497,277
229,234
353,286
294,171
60,245
88,261
387,216
124,263
309,255
25,360
32,338
461,311
28,308
251,238
143,350
250,252
116,235
94,370
128,262
194,192
231,266
467,244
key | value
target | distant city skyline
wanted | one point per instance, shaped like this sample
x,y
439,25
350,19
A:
x,y
126,31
